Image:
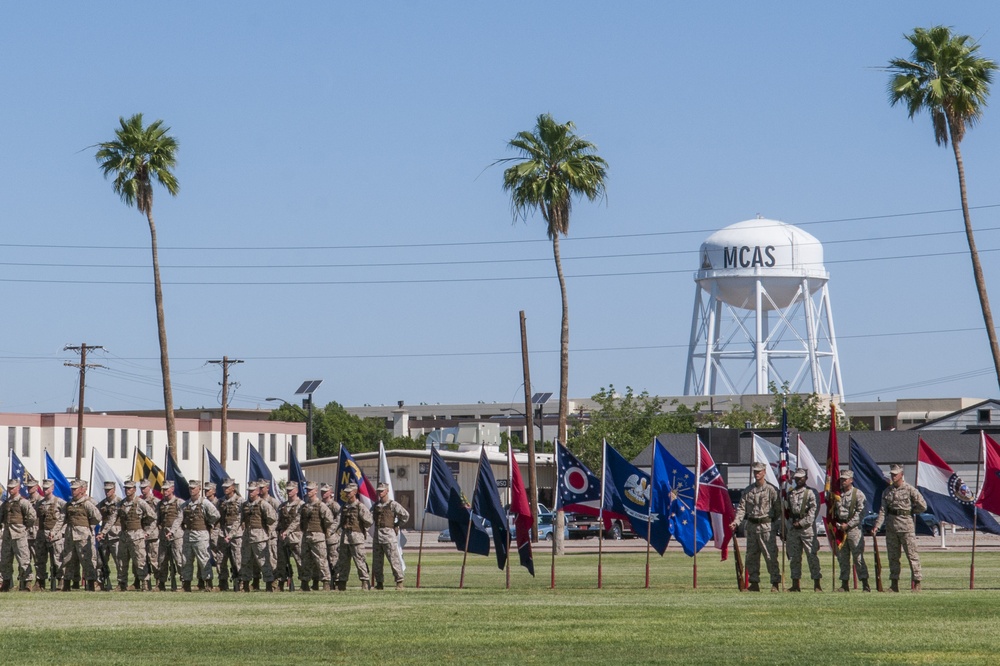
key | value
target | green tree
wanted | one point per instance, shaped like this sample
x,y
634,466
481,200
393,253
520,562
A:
x,y
557,166
629,422
333,426
946,77
806,413
137,156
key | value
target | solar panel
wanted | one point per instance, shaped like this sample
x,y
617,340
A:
x,y
540,398
309,386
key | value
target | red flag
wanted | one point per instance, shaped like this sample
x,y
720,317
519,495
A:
x,y
521,510
989,494
832,486
713,497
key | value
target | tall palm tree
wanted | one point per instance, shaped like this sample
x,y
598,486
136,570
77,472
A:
x,y
136,157
557,166
945,77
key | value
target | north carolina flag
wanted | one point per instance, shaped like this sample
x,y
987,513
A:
x,y
948,497
349,472
713,500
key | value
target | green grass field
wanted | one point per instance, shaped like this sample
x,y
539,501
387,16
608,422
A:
x,y
484,623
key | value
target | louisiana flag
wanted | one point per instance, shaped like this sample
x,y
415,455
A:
x,y
146,470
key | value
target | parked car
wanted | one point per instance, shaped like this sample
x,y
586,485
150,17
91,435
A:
x,y
546,526
581,526
445,534
926,523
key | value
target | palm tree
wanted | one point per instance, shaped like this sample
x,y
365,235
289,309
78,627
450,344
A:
x,y
137,156
945,77
557,166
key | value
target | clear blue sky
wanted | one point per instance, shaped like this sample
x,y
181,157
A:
x,y
337,219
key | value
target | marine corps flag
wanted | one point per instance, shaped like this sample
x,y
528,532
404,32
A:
x,y
144,469
832,488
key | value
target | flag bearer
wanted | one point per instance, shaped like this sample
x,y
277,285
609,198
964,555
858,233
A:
x,y
388,516
355,520
847,511
900,502
760,506
801,505
17,517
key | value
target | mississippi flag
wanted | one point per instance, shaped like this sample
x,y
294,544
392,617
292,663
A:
x,y
948,497
989,494
713,498
521,511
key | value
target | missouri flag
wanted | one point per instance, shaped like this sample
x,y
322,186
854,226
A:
x,y
146,470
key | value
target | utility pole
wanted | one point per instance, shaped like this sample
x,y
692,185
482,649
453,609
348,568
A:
x,y
225,363
82,365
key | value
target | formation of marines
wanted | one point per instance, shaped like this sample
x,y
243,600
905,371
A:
x,y
69,545
762,509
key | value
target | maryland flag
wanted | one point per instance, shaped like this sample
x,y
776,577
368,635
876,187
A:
x,y
146,469
832,488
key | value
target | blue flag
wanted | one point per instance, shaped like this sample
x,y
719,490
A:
x,y
19,472
692,529
579,489
295,474
60,484
868,477
444,499
216,473
627,492
257,469
173,473
487,504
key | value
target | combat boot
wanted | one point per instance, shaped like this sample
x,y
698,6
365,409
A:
x,y
775,588
754,587
186,585
399,585
315,585
23,587
795,586
816,586
208,586
161,586
270,586
123,587
342,586
223,585
137,584
326,586
39,585
304,587
379,586
201,585
916,586
281,585
66,585
366,585
865,586
844,587
91,586
894,585
246,586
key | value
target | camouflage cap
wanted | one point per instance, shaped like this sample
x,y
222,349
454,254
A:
x,y
47,483
13,483
801,473
846,474
251,485
758,466
382,486
30,483
110,485
194,485
77,483
896,469
145,484
325,487
312,485
167,485
208,486
228,483
130,484
350,488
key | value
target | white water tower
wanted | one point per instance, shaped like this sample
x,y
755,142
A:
x,y
762,314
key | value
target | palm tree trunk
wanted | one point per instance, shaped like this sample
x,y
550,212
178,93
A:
x,y
977,267
161,326
563,344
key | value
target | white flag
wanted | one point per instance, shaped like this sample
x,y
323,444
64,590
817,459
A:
x,y
100,471
770,454
383,476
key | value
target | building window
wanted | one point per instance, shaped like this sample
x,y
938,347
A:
x,y
236,446
274,447
111,442
185,445
67,442
149,443
985,416
124,443
12,437
260,444
25,442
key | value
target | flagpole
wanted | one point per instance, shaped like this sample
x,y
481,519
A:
x,y
557,503
783,490
649,511
468,531
510,461
423,521
975,512
697,486
600,517
916,482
